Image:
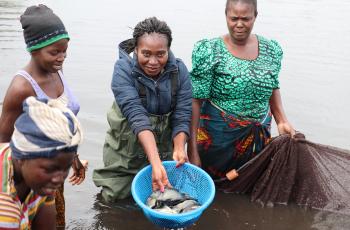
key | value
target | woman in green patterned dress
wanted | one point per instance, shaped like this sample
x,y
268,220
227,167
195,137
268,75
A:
x,y
235,93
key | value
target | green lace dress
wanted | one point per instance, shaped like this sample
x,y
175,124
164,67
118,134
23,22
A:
x,y
235,119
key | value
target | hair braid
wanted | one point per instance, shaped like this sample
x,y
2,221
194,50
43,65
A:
x,y
152,25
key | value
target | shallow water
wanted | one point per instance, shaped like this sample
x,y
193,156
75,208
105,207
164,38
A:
x,y
315,36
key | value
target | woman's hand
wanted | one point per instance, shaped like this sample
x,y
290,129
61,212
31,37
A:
x,y
285,128
180,156
179,153
79,168
159,177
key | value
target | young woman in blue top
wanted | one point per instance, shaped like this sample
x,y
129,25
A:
x,y
150,118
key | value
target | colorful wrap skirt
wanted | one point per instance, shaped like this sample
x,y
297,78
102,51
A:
x,y
226,142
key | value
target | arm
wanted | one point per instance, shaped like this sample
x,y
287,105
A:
x,y
193,152
17,92
159,176
282,122
128,99
202,75
45,219
130,104
179,153
181,116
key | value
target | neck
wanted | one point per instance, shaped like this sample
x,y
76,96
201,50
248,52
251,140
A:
x,y
236,42
21,188
35,70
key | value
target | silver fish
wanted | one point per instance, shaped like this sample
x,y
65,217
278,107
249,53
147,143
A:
x,y
165,209
186,206
171,201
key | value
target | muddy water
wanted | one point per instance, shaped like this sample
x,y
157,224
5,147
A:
x,y
314,34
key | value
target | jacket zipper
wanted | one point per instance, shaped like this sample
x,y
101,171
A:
x,y
156,86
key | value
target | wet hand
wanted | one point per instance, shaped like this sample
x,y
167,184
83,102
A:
x,y
79,169
180,156
159,178
286,128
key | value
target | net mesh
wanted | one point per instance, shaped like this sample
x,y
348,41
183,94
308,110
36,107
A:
x,y
299,171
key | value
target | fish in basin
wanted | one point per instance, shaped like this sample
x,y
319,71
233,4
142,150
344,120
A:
x,y
171,201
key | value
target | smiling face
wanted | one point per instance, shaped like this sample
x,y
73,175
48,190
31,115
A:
x,y
51,58
240,18
152,53
45,175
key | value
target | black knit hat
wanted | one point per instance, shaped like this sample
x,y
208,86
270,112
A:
x,y
41,27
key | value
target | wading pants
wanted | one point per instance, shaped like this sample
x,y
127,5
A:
x,y
123,156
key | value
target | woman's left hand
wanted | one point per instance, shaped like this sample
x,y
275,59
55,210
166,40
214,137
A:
x,y
79,168
286,128
180,156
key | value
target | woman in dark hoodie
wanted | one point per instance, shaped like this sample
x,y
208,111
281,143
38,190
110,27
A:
x,y
150,117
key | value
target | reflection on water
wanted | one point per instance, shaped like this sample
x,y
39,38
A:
x,y
10,35
241,214
124,214
314,86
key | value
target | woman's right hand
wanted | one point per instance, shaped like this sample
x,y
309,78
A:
x,y
159,177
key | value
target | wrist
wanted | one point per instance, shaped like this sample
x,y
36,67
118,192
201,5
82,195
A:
x,y
154,159
179,148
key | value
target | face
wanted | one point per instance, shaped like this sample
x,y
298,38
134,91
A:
x,y
152,53
51,58
45,175
240,18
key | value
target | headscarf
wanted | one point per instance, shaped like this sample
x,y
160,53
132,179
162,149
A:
x,y
45,128
41,27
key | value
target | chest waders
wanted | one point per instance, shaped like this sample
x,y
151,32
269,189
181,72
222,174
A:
x,y
123,156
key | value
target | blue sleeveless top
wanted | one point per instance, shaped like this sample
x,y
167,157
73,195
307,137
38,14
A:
x,y
66,98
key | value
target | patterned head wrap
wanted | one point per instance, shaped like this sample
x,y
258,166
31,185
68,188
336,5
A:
x,y
43,129
41,27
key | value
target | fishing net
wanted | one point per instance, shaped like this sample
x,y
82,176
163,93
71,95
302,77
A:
x,y
299,171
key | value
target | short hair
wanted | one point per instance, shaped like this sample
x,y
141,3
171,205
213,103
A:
x,y
252,2
152,25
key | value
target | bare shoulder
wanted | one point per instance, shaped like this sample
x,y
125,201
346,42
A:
x,y
19,89
17,92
